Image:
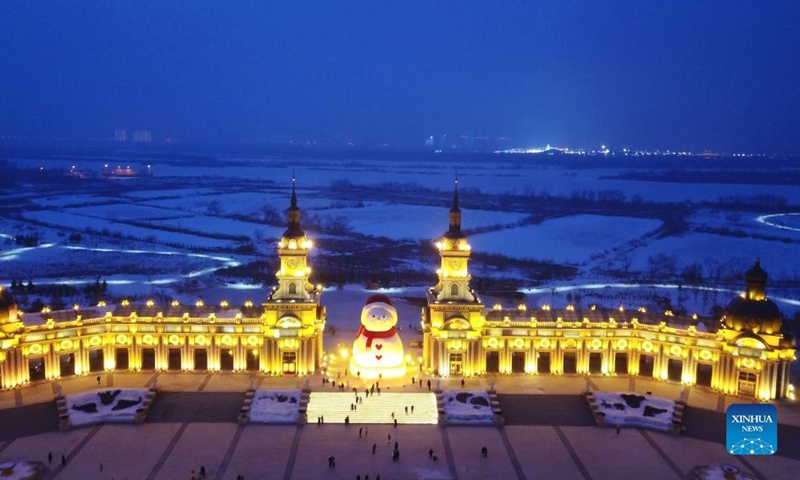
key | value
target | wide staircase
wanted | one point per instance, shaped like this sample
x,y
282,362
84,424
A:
x,y
561,410
334,407
200,407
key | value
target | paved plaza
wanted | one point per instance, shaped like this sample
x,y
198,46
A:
x,y
532,446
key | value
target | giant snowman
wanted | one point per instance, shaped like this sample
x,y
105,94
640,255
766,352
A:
x,y
378,350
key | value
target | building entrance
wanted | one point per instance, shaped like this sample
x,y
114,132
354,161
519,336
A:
x,y
543,362
36,369
121,359
621,363
200,359
674,369
595,363
747,384
148,359
226,360
703,375
493,362
66,363
96,361
252,360
456,363
570,362
289,363
174,359
646,366
517,362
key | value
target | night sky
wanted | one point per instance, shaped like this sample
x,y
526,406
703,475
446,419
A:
x,y
720,75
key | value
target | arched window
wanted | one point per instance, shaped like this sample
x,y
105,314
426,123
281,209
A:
x,y
292,289
454,290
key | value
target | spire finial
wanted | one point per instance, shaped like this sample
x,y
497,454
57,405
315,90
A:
x,y
455,193
294,194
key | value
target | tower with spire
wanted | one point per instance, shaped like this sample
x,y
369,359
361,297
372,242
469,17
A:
x,y
453,309
454,251
292,313
293,249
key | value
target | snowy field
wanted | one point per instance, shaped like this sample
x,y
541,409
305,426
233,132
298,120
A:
x,y
569,240
737,253
210,204
80,223
222,226
118,405
506,174
415,221
275,406
468,407
123,212
632,410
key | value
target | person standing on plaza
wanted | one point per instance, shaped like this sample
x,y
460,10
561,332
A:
x,y
374,447
429,385
360,430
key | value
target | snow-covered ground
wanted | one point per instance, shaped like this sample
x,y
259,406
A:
x,y
14,470
116,405
414,221
633,410
275,406
181,194
570,240
80,223
468,407
736,254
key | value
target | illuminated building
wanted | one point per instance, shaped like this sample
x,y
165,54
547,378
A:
x,y
283,336
453,319
746,355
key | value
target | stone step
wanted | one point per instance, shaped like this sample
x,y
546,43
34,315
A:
x,y
209,407
565,410
335,406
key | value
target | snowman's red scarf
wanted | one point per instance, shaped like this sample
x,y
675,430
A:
x,y
371,335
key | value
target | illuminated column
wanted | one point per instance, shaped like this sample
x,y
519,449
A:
x,y
52,368
773,387
109,355
530,359
784,383
557,360
662,361
633,360
161,353
582,358
187,356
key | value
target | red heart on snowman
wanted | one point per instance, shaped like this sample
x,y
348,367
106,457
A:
x,y
379,346
378,356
